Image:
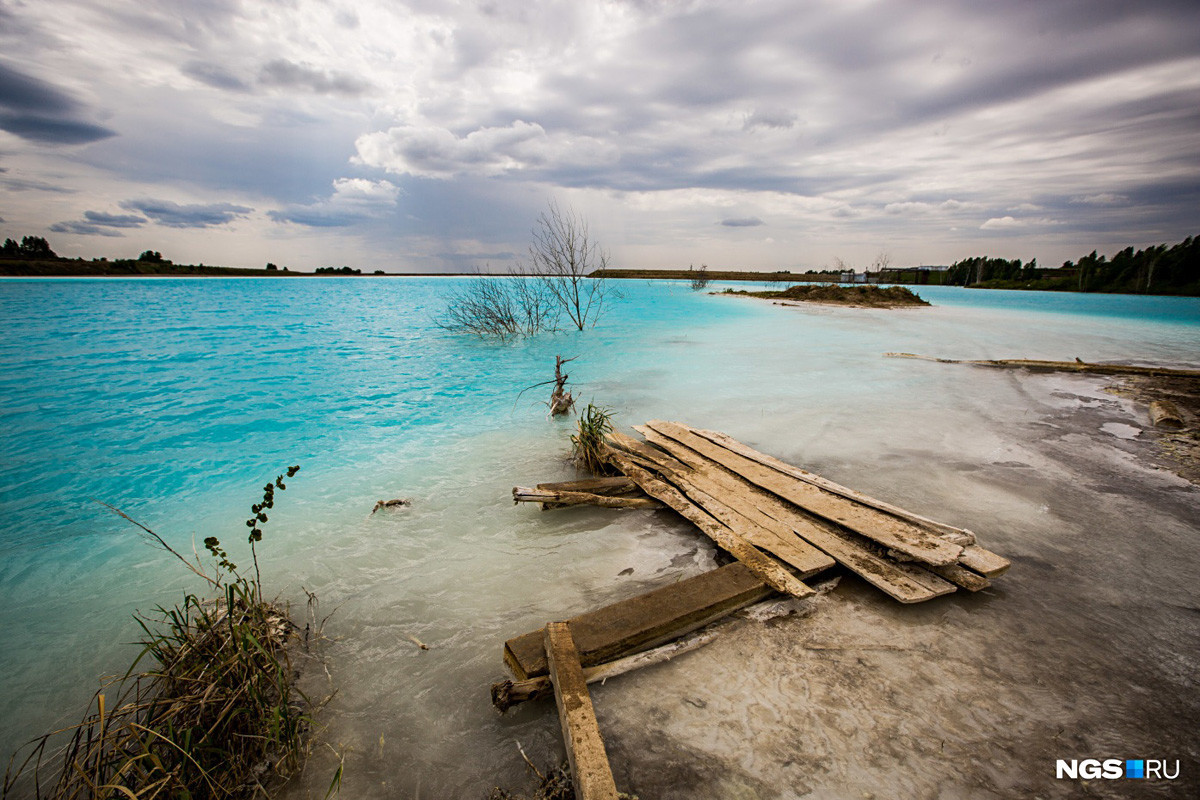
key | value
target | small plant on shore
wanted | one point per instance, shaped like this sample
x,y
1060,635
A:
x,y
588,443
215,713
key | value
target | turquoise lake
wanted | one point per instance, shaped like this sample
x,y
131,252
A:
x,y
175,400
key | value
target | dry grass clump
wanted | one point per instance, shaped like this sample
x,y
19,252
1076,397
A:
x,y
214,711
594,424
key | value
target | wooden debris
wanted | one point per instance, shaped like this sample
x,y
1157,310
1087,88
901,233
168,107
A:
x,y
646,621
766,568
1060,366
558,499
416,641
952,534
590,771
984,561
890,531
610,486
507,694
1165,414
704,488
400,502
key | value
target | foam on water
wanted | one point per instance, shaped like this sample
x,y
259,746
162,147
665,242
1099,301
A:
x,y
175,400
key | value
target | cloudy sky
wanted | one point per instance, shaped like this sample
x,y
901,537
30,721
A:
x,y
426,136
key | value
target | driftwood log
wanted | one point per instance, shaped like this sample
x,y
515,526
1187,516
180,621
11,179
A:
x,y
1165,414
1060,366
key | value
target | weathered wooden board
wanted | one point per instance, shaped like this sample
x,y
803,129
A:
x,y
908,583
617,485
765,567
590,770
639,623
961,576
959,536
557,498
755,527
507,694
984,561
889,531
1060,366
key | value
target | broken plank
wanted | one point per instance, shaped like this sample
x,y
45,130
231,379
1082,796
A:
x,y
590,771
984,561
640,623
961,576
745,519
507,694
895,533
522,494
765,567
617,485
959,536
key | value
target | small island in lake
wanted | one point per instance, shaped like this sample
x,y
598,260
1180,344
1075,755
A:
x,y
866,296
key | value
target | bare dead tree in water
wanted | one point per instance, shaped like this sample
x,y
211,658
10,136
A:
x,y
698,278
502,307
562,256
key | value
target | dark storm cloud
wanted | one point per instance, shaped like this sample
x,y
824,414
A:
x,y
214,75
114,220
84,229
26,185
41,112
199,215
316,217
287,74
742,222
24,93
99,223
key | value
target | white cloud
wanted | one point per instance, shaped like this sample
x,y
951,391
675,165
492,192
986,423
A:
x,y
1101,199
354,200
434,152
1008,223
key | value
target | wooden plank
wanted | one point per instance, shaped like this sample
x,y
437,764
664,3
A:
x,y
648,620
745,519
507,694
560,499
590,771
617,485
961,576
984,561
959,536
765,567
908,583
1061,366
889,531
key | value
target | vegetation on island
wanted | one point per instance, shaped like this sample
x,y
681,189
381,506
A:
x,y
855,294
208,709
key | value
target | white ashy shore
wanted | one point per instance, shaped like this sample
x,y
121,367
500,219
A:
x,y
1088,648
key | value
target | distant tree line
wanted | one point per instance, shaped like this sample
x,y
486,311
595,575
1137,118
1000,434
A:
x,y
31,247
1160,269
335,271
